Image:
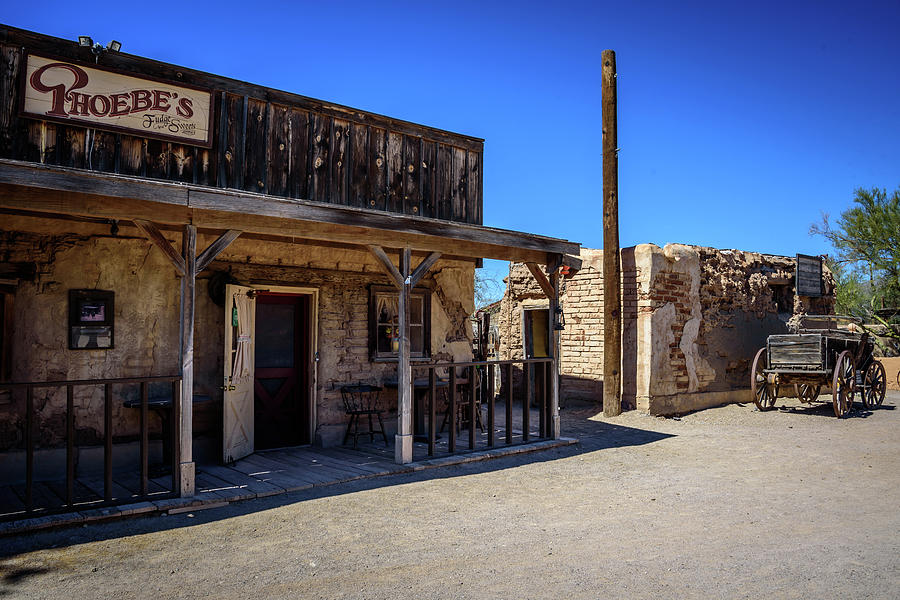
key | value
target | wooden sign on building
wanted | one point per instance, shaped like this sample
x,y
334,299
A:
x,y
64,91
809,275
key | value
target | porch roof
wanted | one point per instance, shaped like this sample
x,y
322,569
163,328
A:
x,y
48,189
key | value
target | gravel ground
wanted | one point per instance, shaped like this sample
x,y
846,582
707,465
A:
x,y
723,503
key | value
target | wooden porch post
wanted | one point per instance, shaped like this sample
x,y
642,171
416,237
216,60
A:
x,y
404,280
186,469
553,269
187,264
403,441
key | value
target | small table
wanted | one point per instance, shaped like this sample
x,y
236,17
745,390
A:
x,y
163,407
420,390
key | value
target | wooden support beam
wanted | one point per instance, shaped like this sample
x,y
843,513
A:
x,y
423,268
542,280
159,240
573,262
186,473
396,277
553,269
403,452
612,298
216,248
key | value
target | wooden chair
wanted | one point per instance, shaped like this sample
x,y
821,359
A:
x,y
462,402
360,401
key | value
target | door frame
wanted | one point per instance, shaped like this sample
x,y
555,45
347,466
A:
x,y
312,366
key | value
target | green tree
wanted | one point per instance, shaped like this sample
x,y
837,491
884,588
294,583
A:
x,y
866,238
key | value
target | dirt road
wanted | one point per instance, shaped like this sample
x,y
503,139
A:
x,y
724,503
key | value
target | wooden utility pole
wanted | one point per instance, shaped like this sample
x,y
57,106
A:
x,y
612,297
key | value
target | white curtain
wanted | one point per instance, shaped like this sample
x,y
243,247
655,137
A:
x,y
241,368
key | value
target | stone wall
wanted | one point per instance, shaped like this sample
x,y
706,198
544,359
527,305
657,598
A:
x,y
76,255
693,318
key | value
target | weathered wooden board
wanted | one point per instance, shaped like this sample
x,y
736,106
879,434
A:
x,y
132,160
359,165
429,190
255,147
444,181
340,169
321,144
795,350
395,172
377,168
279,150
299,178
459,185
412,173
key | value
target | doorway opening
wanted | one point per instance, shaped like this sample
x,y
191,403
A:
x,y
281,401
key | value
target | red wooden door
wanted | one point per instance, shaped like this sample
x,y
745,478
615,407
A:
x,y
281,376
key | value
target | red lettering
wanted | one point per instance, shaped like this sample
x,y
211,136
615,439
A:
x,y
140,100
161,100
79,104
119,104
60,93
185,108
104,106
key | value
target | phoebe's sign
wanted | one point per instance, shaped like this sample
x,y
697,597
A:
x,y
96,97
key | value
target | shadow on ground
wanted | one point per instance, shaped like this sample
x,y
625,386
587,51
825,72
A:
x,y
593,436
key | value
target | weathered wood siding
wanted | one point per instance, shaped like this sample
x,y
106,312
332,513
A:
x,y
264,141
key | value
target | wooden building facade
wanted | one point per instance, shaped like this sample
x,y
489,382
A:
x,y
157,223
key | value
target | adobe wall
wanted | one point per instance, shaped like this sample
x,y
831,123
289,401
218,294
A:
x,y
75,255
693,318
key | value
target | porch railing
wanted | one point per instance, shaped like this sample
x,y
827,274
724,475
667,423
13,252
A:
x,y
479,381
69,502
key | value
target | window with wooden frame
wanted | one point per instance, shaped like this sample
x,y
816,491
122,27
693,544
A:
x,y
384,323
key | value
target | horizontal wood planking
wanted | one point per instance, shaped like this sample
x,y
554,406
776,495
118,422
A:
x,y
261,144
794,350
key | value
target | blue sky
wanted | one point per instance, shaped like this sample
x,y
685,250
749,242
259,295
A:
x,y
739,123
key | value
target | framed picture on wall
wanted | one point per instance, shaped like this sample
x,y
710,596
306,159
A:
x,y
91,319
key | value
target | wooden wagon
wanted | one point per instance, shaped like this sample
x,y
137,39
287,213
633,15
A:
x,y
819,354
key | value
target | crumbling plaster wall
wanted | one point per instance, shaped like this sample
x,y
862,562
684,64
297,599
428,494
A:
x,y
693,318
85,256
702,315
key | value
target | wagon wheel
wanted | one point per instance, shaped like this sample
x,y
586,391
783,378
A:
x,y
764,393
875,385
843,383
807,392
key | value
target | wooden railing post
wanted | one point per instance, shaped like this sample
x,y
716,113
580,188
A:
x,y
432,401
509,403
490,400
107,442
70,444
145,441
526,403
29,448
452,443
472,404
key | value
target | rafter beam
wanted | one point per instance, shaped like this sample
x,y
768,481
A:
x,y
541,279
216,248
396,278
159,240
423,268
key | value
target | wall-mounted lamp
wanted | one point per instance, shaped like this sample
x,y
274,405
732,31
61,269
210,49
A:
x,y
86,42
560,319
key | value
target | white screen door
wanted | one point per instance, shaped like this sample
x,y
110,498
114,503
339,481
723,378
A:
x,y
240,317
